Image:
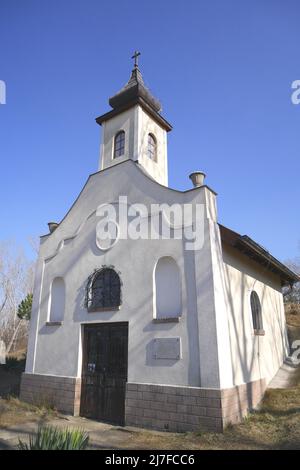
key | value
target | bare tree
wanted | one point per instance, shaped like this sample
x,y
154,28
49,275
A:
x,y
16,281
292,295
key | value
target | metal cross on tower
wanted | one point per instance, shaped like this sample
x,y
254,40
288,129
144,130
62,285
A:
x,y
135,57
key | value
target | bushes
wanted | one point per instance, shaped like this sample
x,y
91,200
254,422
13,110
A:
x,y
13,363
52,438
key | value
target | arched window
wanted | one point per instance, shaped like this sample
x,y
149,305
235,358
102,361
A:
x,y
256,312
167,289
57,300
152,147
104,290
119,144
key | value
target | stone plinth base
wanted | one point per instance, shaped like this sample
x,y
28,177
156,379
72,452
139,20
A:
x,y
62,393
161,407
181,409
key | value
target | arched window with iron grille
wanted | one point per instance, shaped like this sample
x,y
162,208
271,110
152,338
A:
x,y
103,290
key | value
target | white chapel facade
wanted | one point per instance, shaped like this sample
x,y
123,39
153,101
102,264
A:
x,y
143,331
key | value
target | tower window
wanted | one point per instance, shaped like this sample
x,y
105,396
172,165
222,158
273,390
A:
x,y
256,313
119,145
152,147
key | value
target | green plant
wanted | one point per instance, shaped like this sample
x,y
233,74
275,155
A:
x,y
24,308
52,438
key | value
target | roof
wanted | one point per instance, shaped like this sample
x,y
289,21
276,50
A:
x,y
134,88
257,253
135,92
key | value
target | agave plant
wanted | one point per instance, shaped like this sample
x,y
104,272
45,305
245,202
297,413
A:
x,y
52,438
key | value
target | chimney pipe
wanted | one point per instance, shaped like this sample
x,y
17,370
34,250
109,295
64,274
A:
x,y
52,226
197,178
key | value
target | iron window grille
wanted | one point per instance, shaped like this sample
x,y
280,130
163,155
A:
x,y
103,290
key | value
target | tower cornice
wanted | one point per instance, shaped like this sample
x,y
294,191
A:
x,y
136,101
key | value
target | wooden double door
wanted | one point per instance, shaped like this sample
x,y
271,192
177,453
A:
x,y
104,372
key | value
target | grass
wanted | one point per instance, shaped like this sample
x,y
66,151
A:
x,y
292,312
13,411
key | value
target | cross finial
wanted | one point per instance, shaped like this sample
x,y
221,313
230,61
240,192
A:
x,y
135,57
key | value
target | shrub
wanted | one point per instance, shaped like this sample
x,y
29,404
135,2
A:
x,y
52,438
15,363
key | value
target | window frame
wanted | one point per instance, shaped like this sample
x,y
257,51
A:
x,y
90,303
256,313
152,144
119,145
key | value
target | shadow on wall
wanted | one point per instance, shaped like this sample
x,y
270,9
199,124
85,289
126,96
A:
x,y
48,329
192,320
249,351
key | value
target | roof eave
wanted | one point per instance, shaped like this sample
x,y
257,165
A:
x,y
288,277
257,253
137,101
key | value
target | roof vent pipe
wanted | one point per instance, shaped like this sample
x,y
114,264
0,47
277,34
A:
x,y
52,226
197,178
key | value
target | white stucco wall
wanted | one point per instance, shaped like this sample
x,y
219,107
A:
x,y
253,356
218,348
71,252
157,169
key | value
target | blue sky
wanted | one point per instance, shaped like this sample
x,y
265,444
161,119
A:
x,y
223,70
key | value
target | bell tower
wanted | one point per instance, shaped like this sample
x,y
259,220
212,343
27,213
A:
x,y
134,129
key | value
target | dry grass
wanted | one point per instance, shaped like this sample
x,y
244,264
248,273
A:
x,y
13,411
292,312
18,354
275,426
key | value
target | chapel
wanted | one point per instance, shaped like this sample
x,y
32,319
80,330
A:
x,y
143,327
